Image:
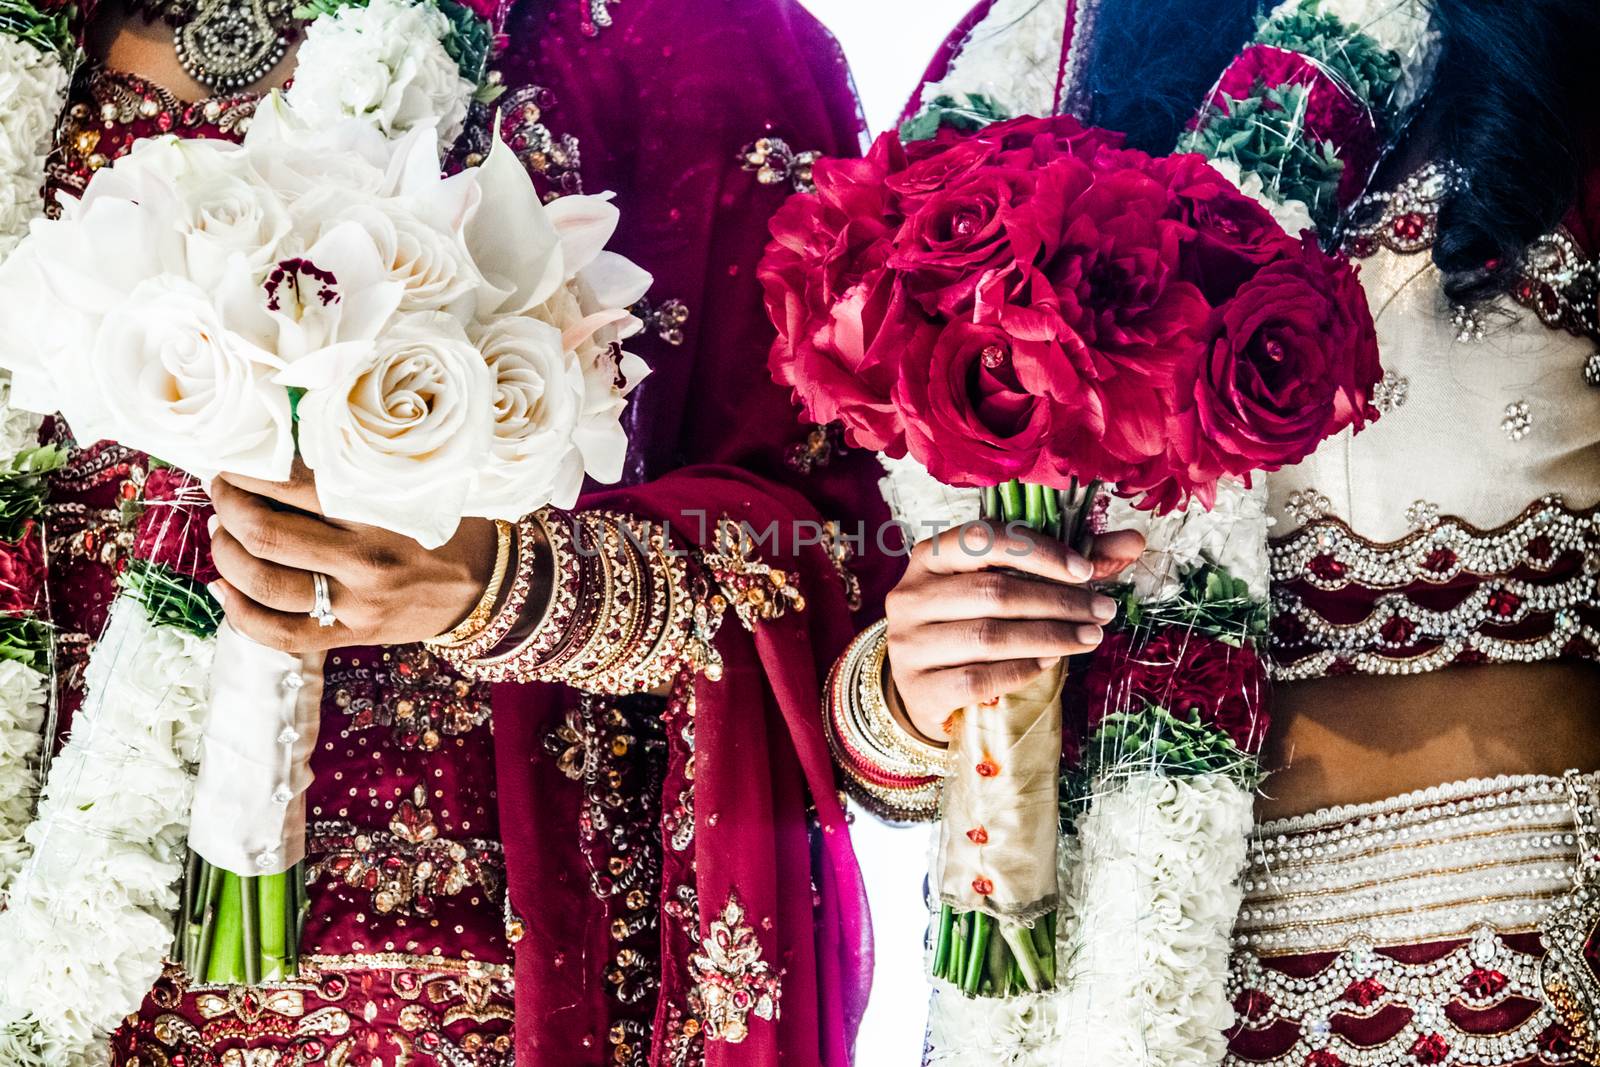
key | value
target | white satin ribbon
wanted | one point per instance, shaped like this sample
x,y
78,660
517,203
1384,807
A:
x,y
249,812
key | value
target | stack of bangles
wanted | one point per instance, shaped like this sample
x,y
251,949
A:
x,y
618,618
890,770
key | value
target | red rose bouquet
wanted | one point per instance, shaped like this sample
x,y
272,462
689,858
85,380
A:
x,y
1036,310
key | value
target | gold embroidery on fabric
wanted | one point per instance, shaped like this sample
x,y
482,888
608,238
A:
x,y
732,980
773,162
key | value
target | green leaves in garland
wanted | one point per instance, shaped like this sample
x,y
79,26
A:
x,y
172,599
970,111
1351,56
1211,602
49,31
25,641
1151,739
1256,133
23,488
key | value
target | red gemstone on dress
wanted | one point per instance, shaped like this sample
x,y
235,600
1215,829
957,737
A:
x,y
1323,1058
1328,568
982,886
1555,1040
1503,604
1363,246
978,835
1410,226
1398,630
1430,1049
1252,1004
1365,993
1439,560
1482,984
987,768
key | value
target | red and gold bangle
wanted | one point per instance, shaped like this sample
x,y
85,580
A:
x,y
616,655
886,768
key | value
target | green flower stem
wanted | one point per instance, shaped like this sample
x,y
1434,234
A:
x,y
211,898
250,927
1033,513
1020,941
941,950
227,946
1012,506
983,927
272,893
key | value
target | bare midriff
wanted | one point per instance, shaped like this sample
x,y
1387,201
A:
x,y
1357,739
125,42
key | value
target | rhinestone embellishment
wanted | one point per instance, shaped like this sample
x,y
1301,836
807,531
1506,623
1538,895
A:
x,y
1391,392
1518,421
1591,369
230,44
1307,505
1422,515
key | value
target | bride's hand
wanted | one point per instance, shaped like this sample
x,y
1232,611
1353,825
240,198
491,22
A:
x,y
974,618
386,589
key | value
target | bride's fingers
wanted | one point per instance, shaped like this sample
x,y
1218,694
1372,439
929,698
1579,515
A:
x,y
999,595
956,688
286,631
269,584
300,491
981,642
1114,552
303,542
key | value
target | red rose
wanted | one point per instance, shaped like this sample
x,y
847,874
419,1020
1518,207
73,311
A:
x,y
22,572
1233,236
1291,361
958,235
174,534
841,318
972,418
1190,676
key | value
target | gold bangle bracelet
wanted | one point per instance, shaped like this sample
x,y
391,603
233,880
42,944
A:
x,y
478,619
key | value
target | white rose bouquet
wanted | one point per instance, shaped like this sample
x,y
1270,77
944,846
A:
x,y
430,347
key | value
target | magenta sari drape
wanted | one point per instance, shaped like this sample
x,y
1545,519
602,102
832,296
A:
x,y
737,799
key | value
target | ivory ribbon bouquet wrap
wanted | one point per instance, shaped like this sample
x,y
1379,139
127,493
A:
x,y
432,347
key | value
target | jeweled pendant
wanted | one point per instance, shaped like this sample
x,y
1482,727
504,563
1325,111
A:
x,y
231,44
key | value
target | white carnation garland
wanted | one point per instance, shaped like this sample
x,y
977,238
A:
x,y
1149,878
85,929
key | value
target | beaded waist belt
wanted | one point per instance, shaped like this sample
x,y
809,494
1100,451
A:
x,y
1415,930
1449,593
1427,866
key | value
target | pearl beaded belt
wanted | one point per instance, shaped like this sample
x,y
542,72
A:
x,y
1427,866
1406,931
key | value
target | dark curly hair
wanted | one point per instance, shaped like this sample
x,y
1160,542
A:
x,y
1516,103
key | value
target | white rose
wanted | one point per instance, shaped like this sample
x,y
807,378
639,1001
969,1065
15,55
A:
x,y
224,214
295,157
397,431
383,62
430,262
539,398
182,383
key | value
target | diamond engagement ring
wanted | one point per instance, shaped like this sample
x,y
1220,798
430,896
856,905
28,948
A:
x,y
322,601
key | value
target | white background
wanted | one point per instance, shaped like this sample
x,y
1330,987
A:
x,y
889,44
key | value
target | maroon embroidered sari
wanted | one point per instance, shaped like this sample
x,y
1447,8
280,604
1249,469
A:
x,y
681,886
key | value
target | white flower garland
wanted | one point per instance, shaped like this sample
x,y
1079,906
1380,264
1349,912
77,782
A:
x,y
33,83
89,920
1010,58
23,699
383,62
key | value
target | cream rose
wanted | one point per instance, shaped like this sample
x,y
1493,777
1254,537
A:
x,y
181,383
397,432
539,397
